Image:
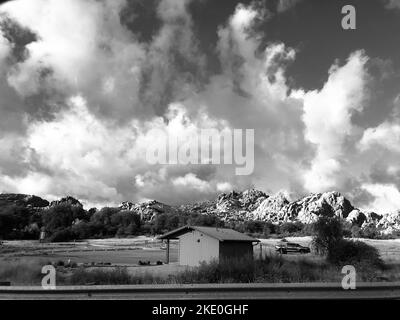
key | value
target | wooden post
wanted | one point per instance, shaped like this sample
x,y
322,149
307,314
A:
x,y
167,251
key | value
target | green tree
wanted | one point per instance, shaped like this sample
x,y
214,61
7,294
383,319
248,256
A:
x,y
58,220
14,220
328,231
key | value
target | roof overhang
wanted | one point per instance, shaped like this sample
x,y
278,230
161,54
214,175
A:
x,y
175,234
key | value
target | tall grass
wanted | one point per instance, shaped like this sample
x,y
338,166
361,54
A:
x,y
114,276
21,272
269,269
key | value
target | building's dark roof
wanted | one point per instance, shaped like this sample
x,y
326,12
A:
x,y
220,234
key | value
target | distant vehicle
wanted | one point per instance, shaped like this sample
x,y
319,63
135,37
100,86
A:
x,y
286,247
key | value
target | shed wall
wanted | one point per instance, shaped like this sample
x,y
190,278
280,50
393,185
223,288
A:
x,y
230,249
195,247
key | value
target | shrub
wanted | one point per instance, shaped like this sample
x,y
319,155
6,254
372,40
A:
x,y
291,227
226,270
355,232
356,253
327,232
370,232
62,235
270,269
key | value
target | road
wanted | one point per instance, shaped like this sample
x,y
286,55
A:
x,y
208,292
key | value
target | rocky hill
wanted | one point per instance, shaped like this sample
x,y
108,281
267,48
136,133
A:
x,y
253,204
390,222
67,200
247,205
149,209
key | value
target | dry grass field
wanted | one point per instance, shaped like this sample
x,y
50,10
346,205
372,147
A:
x,y
388,249
108,254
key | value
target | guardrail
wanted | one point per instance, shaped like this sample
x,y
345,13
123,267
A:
x,y
208,291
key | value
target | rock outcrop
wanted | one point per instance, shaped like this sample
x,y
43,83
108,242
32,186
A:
x,y
67,200
272,209
230,206
390,222
278,208
149,209
309,208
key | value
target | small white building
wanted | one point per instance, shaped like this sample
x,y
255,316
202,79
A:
x,y
197,244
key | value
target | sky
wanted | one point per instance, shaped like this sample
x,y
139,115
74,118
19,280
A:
x,y
83,83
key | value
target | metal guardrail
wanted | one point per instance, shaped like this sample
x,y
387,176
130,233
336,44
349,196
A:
x,y
208,291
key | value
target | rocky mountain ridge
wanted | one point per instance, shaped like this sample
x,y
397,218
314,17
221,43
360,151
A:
x,y
253,204
247,205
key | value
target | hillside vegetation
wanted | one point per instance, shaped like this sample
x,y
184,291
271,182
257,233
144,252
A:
x,y
250,211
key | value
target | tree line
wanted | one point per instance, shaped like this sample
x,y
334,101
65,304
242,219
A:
x,y
66,222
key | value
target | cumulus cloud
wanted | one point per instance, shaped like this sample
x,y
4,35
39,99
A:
x,y
174,65
71,54
386,197
327,117
79,154
84,100
386,135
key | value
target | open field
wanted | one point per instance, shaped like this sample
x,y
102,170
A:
x,y
115,251
108,254
128,252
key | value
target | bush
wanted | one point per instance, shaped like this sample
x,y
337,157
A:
x,y
356,253
370,232
355,232
269,269
291,227
62,235
226,270
327,232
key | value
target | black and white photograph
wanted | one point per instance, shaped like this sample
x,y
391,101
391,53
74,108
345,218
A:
x,y
199,150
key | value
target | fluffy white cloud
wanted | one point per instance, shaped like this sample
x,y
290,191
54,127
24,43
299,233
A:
x,y
191,181
386,135
79,154
78,54
102,92
327,117
224,187
387,197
